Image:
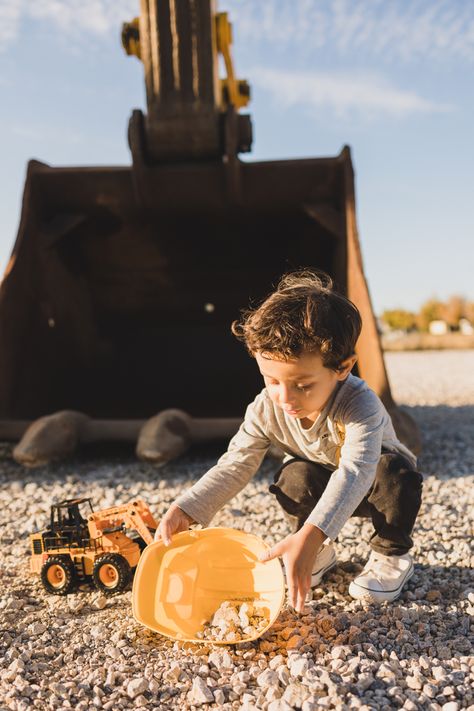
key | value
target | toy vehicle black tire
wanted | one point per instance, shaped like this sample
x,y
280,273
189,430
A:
x,y
58,575
111,573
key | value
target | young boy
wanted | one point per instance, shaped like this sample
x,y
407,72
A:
x,y
343,456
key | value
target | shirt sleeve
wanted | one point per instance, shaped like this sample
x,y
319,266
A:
x,y
363,420
233,470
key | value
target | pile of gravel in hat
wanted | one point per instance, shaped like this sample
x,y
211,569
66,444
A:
x,y
86,651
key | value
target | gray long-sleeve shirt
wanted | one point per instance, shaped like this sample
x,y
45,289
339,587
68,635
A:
x,y
352,407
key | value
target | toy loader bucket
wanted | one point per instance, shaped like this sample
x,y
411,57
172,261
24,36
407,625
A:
x,y
177,589
123,282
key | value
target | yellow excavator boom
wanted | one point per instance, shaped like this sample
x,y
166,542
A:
x,y
135,516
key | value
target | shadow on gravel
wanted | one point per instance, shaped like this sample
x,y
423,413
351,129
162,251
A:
x,y
100,458
448,444
448,451
430,584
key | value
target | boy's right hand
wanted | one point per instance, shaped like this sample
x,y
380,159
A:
x,y
174,521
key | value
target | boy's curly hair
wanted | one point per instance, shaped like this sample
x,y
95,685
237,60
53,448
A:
x,y
304,314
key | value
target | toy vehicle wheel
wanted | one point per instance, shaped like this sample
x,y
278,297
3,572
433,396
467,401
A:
x,y
111,573
58,575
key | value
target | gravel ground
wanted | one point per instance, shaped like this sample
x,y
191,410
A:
x,y
86,651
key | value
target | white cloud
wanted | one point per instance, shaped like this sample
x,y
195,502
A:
x,y
72,18
386,29
343,93
428,29
94,16
10,13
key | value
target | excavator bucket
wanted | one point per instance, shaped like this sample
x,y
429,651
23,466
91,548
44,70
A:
x,y
123,282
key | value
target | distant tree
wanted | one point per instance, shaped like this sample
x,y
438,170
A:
x,y
431,310
453,310
469,311
399,319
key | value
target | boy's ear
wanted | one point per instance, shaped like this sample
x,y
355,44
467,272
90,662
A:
x,y
346,366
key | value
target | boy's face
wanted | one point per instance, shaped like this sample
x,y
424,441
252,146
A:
x,y
301,386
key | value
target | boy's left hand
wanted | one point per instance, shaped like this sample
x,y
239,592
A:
x,y
299,551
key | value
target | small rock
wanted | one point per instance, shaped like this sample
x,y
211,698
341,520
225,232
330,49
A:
x,y
267,678
114,653
339,652
173,673
364,681
424,662
37,628
99,632
221,660
99,602
110,679
385,671
276,661
75,603
17,666
279,705
438,673
219,697
242,676
13,604
295,695
135,687
310,705
299,666
283,675
273,693
288,632
444,652
430,690
295,642
200,692
448,691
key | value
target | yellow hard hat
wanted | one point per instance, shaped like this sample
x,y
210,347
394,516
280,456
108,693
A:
x,y
177,589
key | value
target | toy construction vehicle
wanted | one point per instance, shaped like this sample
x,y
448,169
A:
x,y
81,544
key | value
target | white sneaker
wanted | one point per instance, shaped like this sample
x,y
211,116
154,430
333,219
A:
x,y
383,577
325,560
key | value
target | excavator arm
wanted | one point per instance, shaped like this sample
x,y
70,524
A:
x,y
121,271
135,516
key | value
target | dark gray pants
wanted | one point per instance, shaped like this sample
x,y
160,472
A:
x,y
392,502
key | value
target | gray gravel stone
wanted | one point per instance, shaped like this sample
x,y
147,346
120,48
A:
x,y
267,678
135,687
200,692
86,651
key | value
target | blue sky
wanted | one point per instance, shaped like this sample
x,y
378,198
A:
x,y
393,79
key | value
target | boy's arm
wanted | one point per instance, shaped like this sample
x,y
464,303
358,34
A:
x,y
232,472
363,421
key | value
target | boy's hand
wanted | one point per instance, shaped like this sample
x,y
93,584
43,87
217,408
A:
x,y
299,552
174,521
